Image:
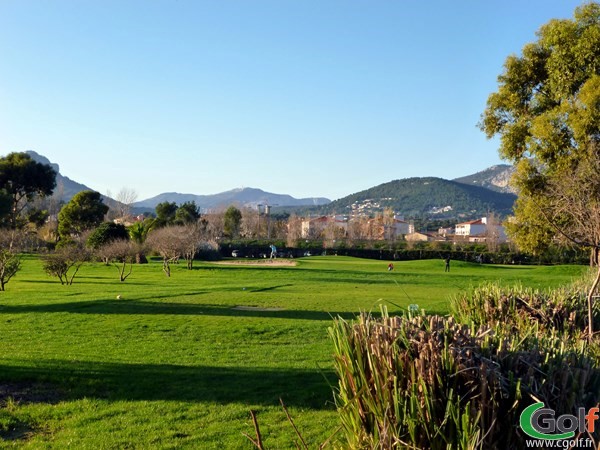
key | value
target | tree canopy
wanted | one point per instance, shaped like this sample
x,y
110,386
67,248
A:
x,y
83,212
21,178
546,112
105,233
231,221
165,213
186,213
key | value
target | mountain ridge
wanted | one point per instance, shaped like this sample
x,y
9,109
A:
x,y
242,196
468,196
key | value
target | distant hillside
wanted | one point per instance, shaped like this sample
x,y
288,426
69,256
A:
x,y
65,187
430,196
495,178
241,197
465,197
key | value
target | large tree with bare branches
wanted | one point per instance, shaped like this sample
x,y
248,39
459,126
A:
x,y
547,114
177,241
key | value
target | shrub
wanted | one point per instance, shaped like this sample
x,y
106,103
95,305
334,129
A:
x,y
65,258
430,382
517,309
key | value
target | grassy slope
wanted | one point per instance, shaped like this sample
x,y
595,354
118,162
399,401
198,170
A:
x,y
172,365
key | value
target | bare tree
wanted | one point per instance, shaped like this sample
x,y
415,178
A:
x,y
572,207
174,242
120,253
332,233
217,222
294,230
167,243
65,262
194,237
388,223
492,232
358,228
10,257
126,197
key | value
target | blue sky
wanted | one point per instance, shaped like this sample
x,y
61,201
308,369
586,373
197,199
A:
x,y
307,98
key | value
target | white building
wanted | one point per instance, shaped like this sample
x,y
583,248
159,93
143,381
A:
x,y
472,228
480,230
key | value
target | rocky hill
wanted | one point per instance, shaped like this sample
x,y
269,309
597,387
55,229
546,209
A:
x,y
65,187
496,178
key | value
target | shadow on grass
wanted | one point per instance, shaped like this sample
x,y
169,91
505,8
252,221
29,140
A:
x,y
135,307
123,381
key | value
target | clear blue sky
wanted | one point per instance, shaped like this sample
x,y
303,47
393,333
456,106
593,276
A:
x,y
307,98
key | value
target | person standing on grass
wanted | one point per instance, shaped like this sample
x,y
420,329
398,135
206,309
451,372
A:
x,y
273,251
447,260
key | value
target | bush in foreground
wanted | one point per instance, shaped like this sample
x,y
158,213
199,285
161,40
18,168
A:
x,y
430,382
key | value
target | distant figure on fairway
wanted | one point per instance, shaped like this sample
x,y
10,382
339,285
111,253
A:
x,y
447,260
273,251
390,267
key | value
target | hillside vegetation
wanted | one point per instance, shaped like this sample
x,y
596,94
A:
x,y
427,196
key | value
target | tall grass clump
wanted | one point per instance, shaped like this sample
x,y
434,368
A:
x,y
523,310
433,383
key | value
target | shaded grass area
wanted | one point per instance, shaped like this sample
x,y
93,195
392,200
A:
x,y
172,364
122,381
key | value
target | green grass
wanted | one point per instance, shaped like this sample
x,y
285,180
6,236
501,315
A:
x,y
173,365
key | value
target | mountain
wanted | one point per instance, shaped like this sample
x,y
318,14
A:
x,y
495,178
431,197
242,197
65,187
465,197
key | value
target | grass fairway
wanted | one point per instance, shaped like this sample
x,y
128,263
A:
x,y
174,364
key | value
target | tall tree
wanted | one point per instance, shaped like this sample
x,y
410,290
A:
x,y
138,233
83,212
22,178
232,221
187,213
165,213
5,207
547,114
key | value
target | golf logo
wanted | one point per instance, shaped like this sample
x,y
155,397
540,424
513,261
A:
x,y
539,422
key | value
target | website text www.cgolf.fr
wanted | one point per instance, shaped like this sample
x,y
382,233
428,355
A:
x,y
565,443
548,431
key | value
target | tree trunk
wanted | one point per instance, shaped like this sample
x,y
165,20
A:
x,y
590,296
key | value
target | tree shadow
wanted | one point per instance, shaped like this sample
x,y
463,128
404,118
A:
x,y
141,307
126,381
270,288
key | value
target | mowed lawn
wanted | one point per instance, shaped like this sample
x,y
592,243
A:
x,y
174,364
